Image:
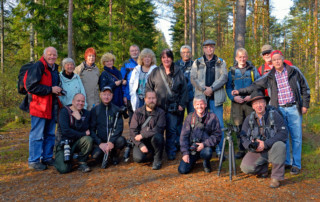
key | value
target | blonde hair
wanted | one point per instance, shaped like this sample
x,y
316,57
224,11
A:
x,y
107,57
147,52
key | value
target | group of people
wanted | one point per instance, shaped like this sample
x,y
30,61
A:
x,y
156,98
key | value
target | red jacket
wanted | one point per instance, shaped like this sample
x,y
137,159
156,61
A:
x,y
38,82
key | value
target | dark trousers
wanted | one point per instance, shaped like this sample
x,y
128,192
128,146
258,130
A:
x,y
205,154
130,111
257,163
155,146
119,144
82,145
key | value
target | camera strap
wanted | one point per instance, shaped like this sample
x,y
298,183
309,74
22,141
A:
x,y
165,82
70,116
146,122
193,120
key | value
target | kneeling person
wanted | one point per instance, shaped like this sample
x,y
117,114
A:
x,y
264,134
102,121
146,131
75,136
200,134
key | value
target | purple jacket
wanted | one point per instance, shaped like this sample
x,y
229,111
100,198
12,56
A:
x,y
210,135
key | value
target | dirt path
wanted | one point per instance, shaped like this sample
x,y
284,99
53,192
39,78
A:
x,y
131,181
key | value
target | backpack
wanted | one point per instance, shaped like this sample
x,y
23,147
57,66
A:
x,y
22,72
233,72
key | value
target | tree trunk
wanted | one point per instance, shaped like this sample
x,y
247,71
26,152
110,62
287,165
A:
x,y
185,21
70,32
316,65
31,37
190,23
2,36
219,29
240,25
255,20
110,20
234,20
203,23
194,46
268,21
263,22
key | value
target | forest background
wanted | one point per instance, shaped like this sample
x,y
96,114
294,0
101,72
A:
x,y
27,27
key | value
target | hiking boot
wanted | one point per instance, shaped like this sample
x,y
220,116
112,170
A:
x,y
84,168
49,162
274,183
206,166
156,166
287,167
37,166
294,170
240,154
115,160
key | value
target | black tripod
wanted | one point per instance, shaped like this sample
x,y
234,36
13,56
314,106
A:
x,y
232,162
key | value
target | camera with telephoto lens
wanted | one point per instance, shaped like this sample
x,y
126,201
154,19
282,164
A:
x,y
123,110
126,154
173,107
66,150
63,92
194,146
253,146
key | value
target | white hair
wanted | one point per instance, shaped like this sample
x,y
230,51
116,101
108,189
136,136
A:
x,y
199,98
45,50
66,61
185,46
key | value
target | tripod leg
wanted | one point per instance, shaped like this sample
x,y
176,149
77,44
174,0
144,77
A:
x,y
230,159
222,153
233,161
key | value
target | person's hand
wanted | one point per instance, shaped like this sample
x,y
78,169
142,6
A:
x,y
208,92
238,99
138,137
180,108
125,101
261,146
304,110
87,132
76,114
103,147
200,147
110,146
124,82
247,98
235,92
144,149
56,89
118,83
186,158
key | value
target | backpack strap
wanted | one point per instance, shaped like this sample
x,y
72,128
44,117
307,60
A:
x,y
252,75
262,70
233,72
70,116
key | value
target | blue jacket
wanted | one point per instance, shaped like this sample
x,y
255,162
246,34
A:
x,y
71,86
108,78
186,69
128,65
241,81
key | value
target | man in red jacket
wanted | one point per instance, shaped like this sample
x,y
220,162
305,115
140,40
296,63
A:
x,y
41,82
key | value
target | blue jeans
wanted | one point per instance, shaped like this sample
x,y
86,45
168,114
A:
x,y
171,133
41,139
293,120
205,154
219,113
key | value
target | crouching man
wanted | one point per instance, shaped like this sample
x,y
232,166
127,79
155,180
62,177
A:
x,y
200,134
146,131
102,121
75,136
264,134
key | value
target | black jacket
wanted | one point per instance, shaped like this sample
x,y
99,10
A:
x,y
281,132
297,82
76,130
156,124
178,89
98,123
210,136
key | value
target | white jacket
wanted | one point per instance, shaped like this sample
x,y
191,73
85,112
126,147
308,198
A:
x,y
134,84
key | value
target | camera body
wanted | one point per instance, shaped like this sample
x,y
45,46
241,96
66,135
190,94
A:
x,y
63,92
66,150
126,154
253,146
123,110
194,146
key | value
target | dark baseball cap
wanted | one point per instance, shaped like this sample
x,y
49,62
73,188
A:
x,y
106,88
